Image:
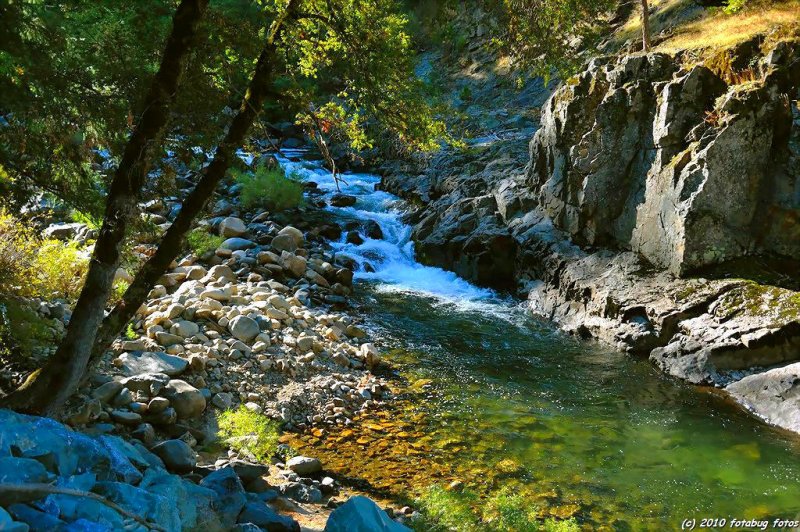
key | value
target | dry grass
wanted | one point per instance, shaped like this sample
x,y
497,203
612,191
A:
x,y
721,31
691,27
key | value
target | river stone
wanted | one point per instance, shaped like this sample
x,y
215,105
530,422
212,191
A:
x,y
187,400
773,395
125,417
265,517
231,497
244,328
168,339
221,272
196,505
63,231
343,200
232,227
106,392
7,524
283,243
295,234
304,465
248,471
236,244
33,518
157,508
361,514
372,229
177,455
295,264
149,383
139,362
279,302
22,471
184,328
157,405
222,400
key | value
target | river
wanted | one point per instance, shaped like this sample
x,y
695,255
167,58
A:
x,y
506,400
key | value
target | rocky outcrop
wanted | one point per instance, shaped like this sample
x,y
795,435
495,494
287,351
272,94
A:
x,y
643,171
672,163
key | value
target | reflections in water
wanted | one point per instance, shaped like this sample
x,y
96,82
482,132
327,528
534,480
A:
x,y
576,427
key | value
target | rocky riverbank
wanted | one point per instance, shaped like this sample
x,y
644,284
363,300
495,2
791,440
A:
x,y
642,174
258,322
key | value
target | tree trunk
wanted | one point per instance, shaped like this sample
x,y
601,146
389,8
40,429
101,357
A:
x,y
47,389
645,26
172,241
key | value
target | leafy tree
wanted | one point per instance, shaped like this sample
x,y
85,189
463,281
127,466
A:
x,y
47,389
350,58
547,34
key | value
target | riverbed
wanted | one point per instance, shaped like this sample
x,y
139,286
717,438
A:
x,y
498,399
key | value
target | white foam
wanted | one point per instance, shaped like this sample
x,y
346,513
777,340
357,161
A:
x,y
392,257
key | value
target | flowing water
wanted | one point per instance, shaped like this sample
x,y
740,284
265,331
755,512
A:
x,y
506,400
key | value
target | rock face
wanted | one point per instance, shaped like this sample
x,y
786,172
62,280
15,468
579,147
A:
x,y
674,165
642,173
773,395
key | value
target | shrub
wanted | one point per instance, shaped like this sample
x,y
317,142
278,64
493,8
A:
x,y
201,241
244,430
58,270
17,249
734,6
130,332
442,510
22,329
269,188
509,511
33,267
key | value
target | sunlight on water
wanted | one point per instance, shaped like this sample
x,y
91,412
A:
x,y
579,429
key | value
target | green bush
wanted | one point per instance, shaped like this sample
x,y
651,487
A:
x,y
509,511
244,430
201,241
441,510
58,270
22,329
32,267
269,188
734,6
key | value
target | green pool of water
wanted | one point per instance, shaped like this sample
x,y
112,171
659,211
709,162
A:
x,y
578,426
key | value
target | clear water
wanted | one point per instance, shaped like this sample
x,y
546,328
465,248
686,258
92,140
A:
x,y
580,429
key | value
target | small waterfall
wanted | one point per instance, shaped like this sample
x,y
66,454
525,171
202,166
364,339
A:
x,y
392,266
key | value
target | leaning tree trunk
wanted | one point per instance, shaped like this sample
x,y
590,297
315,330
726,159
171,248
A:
x,y
645,26
48,388
172,241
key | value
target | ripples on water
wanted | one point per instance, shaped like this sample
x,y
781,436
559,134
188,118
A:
x,y
569,423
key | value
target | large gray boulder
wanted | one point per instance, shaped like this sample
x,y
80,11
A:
x,y
304,465
360,514
773,395
188,401
139,362
231,496
261,515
